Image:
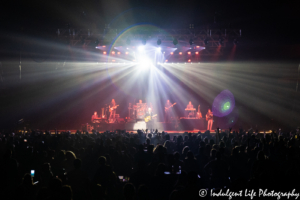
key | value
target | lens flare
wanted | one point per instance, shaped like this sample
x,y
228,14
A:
x,y
223,104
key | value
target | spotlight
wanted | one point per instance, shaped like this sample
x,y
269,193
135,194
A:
x,y
113,52
189,53
119,53
113,60
180,53
191,41
197,46
158,49
189,60
128,41
166,60
158,42
175,41
104,52
196,52
172,53
126,53
141,48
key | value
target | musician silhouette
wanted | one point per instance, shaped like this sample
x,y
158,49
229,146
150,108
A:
x,y
112,109
168,111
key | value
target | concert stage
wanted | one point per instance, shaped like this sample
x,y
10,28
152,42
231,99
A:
x,y
181,125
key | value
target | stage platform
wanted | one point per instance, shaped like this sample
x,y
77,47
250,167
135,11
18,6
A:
x,y
135,132
181,125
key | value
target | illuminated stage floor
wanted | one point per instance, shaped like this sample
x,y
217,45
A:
x,y
135,132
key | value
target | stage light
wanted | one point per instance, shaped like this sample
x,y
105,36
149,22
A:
x,y
171,53
104,52
191,41
189,53
180,53
126,53
119,53
113,52
141,48
197,46
158,49
158,42
166,60
145,62
196,52
175,41
103,46
113,60
189,60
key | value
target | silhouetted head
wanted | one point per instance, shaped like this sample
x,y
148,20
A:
x,y
27,179
66,193
102,160
190,155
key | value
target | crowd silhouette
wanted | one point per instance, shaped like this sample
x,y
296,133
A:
x,y
144,166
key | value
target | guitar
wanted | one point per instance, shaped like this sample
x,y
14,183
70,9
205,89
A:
x,y
207,115
112,108
170,106
148,118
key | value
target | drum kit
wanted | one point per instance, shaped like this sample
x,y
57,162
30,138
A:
x,y
137,111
